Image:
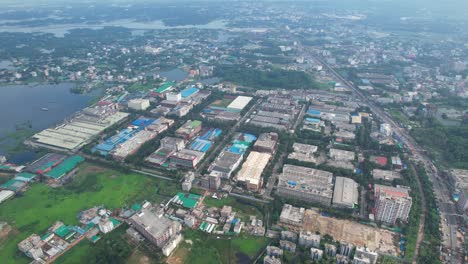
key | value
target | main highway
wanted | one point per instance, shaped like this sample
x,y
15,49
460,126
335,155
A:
x,y
441,190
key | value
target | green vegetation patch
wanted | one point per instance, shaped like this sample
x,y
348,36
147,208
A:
x,y
40,206
207,248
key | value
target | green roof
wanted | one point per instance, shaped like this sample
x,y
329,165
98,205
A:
x,y
13,185
6,167
195,123
136,207
190,200
95,238
164,87
65,167
114,221
25,175
62,231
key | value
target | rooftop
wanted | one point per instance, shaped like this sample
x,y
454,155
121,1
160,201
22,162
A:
x,y
346,192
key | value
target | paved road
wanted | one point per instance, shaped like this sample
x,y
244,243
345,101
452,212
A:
x,y
401,133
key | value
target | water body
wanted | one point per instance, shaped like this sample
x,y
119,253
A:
x,y
21,106
61,29
174,74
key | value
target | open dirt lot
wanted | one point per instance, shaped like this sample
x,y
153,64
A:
x,y
358,234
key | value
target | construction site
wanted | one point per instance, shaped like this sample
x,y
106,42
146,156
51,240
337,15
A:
x,y
373,238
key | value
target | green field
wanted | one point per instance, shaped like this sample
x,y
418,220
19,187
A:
x,y
41,205
208,249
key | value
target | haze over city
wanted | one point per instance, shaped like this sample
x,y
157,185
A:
x,y
233,131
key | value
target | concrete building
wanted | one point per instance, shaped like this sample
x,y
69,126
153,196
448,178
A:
x,y
316,254
289,235
396,163
169,247
190,220
341,155
391,203
32,246
105,225
239,103
386,130
303,152
345,249
306,184
252,169
225,164
187,158
330,250
309,239
385,175
172,143
158,229
292,217
188,130
266,142
139,104
288,245
346,193
340,259
364,255
212,182
273,251
174,97
271,260
459,180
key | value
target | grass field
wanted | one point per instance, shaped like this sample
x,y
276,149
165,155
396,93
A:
x,y
208,249
41,205
223,102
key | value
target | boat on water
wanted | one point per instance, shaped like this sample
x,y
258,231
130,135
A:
x,y
44,109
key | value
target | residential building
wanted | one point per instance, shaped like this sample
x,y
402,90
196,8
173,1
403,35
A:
x,y
386,129
155,227
391,203
271,260
309,239
345,249
288,245
292,217
364,255
316,254
330,250
273,251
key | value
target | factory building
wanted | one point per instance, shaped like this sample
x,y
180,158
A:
x,y
186,158
303,152
239,103
391,203
306,184
139,104
188,130
225,164
266,142
346,193
252,169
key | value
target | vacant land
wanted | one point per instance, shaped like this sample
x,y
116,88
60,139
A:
x,y
211,249
352,232
41,206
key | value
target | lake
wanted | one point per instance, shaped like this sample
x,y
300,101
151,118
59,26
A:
x,y
20,106
59,30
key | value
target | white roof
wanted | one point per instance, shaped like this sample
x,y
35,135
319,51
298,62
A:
x,y
5,194
240,102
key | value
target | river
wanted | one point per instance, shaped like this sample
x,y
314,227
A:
x,y
21,107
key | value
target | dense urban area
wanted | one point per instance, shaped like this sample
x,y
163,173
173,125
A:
x,y
240,132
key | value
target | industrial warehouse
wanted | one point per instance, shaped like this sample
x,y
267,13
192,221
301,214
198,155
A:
x,y
77,131
310,185
228,108
129,140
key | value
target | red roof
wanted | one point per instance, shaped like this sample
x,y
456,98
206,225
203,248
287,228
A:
x,y
382,161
